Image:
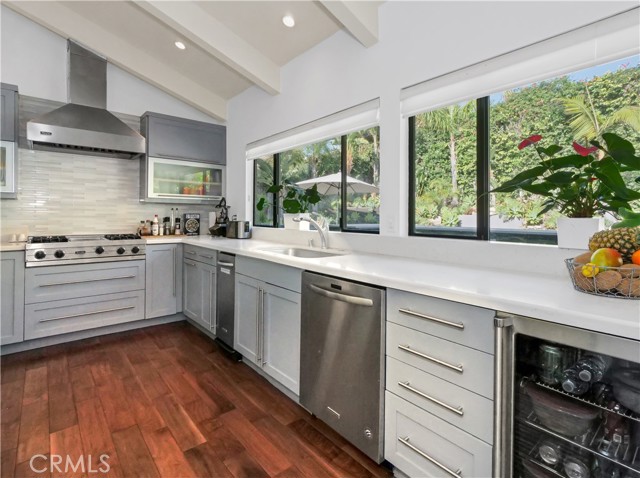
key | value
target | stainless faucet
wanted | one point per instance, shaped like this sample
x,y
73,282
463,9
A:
x,y
321,225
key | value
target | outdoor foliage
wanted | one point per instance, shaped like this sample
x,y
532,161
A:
x,y
610,103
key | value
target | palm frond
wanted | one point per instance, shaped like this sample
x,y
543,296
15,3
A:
x,y
629,115
583,119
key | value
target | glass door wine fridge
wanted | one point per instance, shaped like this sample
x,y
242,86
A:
x,y
568,402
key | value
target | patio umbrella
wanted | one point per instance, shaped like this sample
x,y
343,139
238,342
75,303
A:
x,y
331,183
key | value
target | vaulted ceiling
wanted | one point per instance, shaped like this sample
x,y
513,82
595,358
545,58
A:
x,y
230,45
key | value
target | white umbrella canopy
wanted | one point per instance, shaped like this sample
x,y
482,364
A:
x,y
330,184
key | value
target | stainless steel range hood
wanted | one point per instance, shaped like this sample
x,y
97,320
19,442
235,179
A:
x,y
84,126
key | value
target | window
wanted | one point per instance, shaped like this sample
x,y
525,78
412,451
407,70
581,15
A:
x,y
345,170
458,153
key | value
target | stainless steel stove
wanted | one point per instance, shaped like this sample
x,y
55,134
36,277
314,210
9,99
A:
x,y
83,249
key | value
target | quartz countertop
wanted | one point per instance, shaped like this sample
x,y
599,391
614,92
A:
x,y
524,293
11,246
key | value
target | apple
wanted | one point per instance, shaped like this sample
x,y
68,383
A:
x,y
606,257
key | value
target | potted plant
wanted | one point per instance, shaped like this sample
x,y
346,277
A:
x,y
295,201
580,185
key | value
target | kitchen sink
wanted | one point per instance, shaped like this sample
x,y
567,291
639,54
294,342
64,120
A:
x,y
301,252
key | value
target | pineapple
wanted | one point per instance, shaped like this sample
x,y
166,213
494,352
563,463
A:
x,y
625,240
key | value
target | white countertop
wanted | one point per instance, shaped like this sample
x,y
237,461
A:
x,y
527,293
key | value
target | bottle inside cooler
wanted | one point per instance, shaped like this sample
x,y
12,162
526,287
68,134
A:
x,y
576,413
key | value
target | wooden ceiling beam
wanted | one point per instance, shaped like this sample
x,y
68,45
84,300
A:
x,y
357,17
202,29
68,24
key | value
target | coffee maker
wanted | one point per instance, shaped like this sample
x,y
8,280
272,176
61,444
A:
x,y
222,219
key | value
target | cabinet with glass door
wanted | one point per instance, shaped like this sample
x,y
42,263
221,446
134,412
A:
x,y
169,180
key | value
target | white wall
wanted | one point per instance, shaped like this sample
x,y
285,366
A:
x,y
418,41
35,59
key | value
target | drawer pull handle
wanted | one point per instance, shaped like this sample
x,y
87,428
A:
x,y
457,325
225,264
407,385
407,348
456,474
190,252
86,313
189,264
85,280
206,257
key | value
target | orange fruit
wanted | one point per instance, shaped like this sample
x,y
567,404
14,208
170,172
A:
x,y
635,257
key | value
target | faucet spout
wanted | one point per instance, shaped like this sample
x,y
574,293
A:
x,y
321,226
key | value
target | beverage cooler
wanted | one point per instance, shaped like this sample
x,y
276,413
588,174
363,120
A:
x,y
567,402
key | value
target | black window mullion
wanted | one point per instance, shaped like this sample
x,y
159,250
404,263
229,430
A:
x,y
276,197
482,168
412,176
343,182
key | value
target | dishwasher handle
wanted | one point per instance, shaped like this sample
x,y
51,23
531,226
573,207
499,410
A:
x,y
349,299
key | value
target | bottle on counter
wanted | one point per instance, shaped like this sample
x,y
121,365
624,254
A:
x,y
154,226
178,230
592,367
172,224
572,383
166,224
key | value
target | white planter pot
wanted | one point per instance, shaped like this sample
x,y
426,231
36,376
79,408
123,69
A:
x,y
289,223
574,232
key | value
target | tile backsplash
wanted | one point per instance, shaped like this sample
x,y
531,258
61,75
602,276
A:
x,y
60,193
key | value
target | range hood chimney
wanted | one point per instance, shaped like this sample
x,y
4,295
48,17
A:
x,y
84,126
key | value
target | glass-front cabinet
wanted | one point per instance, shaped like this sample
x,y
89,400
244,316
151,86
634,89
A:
x,y
170,180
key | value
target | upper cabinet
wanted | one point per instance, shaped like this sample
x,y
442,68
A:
x,y
9,142
179,138
185,160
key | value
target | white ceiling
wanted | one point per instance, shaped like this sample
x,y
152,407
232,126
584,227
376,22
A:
x,y
231,45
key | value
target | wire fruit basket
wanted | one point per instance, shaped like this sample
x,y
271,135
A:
x,y
618,282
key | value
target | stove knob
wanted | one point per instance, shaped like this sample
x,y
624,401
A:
x,y
120,250
99,250
40,255
59,254
135,249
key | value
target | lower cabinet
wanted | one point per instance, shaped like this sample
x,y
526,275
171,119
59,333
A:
x,y
12,297
163,280
199,293
268,328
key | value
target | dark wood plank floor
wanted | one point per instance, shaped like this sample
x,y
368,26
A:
x,y
160,402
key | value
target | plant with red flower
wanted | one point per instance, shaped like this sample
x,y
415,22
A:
x,y
582,184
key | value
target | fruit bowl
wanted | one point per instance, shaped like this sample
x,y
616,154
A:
x,y
619,282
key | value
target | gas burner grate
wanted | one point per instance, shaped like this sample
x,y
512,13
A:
x,y
46,239
121,237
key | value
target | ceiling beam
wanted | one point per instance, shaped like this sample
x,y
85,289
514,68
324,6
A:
x,y
359,18
198,26
68,24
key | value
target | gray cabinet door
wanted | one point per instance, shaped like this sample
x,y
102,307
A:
x,y
8,113
179,138
163,284
208,280
192,290
246,316
281,335
12,297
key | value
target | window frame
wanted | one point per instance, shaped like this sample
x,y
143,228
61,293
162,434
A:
x,y
343,225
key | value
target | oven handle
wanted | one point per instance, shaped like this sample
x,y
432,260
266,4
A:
x,y
86,280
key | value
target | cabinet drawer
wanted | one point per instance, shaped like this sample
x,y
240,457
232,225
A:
x,y
71,315
412,435
201,254
463,366
462,408
81,280
270,272
460,323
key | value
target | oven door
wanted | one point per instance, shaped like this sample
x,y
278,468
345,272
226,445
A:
x,y
8,169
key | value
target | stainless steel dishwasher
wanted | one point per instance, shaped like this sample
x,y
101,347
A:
x,y
225,304
342,358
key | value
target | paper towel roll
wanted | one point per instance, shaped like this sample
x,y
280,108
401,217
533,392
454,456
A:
x,y
212,218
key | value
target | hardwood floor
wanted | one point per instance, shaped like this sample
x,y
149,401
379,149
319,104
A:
x,y
159,402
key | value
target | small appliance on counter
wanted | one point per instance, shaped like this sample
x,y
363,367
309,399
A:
x,y
191,224
238,229
219,228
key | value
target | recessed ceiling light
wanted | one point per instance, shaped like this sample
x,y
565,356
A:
x,y
288,21
180,45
